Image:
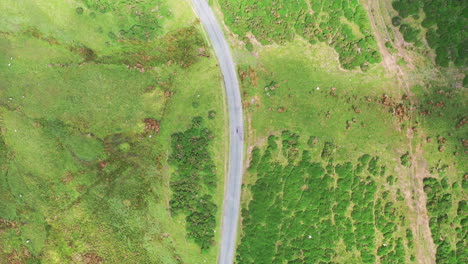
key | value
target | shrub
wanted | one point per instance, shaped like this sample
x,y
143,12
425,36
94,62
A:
x,y
396,21
328,150
405,160
211,114
410,34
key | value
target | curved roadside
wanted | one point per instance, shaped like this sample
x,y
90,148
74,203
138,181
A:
x,y
236,129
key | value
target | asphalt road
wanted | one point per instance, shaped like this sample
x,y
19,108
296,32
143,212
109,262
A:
x,y
236,128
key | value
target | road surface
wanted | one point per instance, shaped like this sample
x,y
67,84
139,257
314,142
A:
x,y
236,130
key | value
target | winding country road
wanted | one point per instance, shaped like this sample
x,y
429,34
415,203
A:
x,y
236,128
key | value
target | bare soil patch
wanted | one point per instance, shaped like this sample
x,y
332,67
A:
x,y
152,125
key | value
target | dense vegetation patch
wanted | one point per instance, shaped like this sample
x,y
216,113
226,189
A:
x,y
444,22
342,24
311,209
193,181
448,219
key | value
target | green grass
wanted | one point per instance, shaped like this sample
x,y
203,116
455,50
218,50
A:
x,y
107,94
299,69
80,176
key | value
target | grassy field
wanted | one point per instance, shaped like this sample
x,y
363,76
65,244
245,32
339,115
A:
x,y
90,94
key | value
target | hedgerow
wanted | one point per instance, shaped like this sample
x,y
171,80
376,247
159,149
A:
x,y
194,176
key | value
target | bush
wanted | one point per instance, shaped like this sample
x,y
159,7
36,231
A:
x,y
448,38
410,34
328,150
79,10
405,160
211,114
407,8
396,21
295,203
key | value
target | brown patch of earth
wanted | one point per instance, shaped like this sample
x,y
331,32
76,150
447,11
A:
x,y
19,257
5,224
68,177
92,258
152,125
